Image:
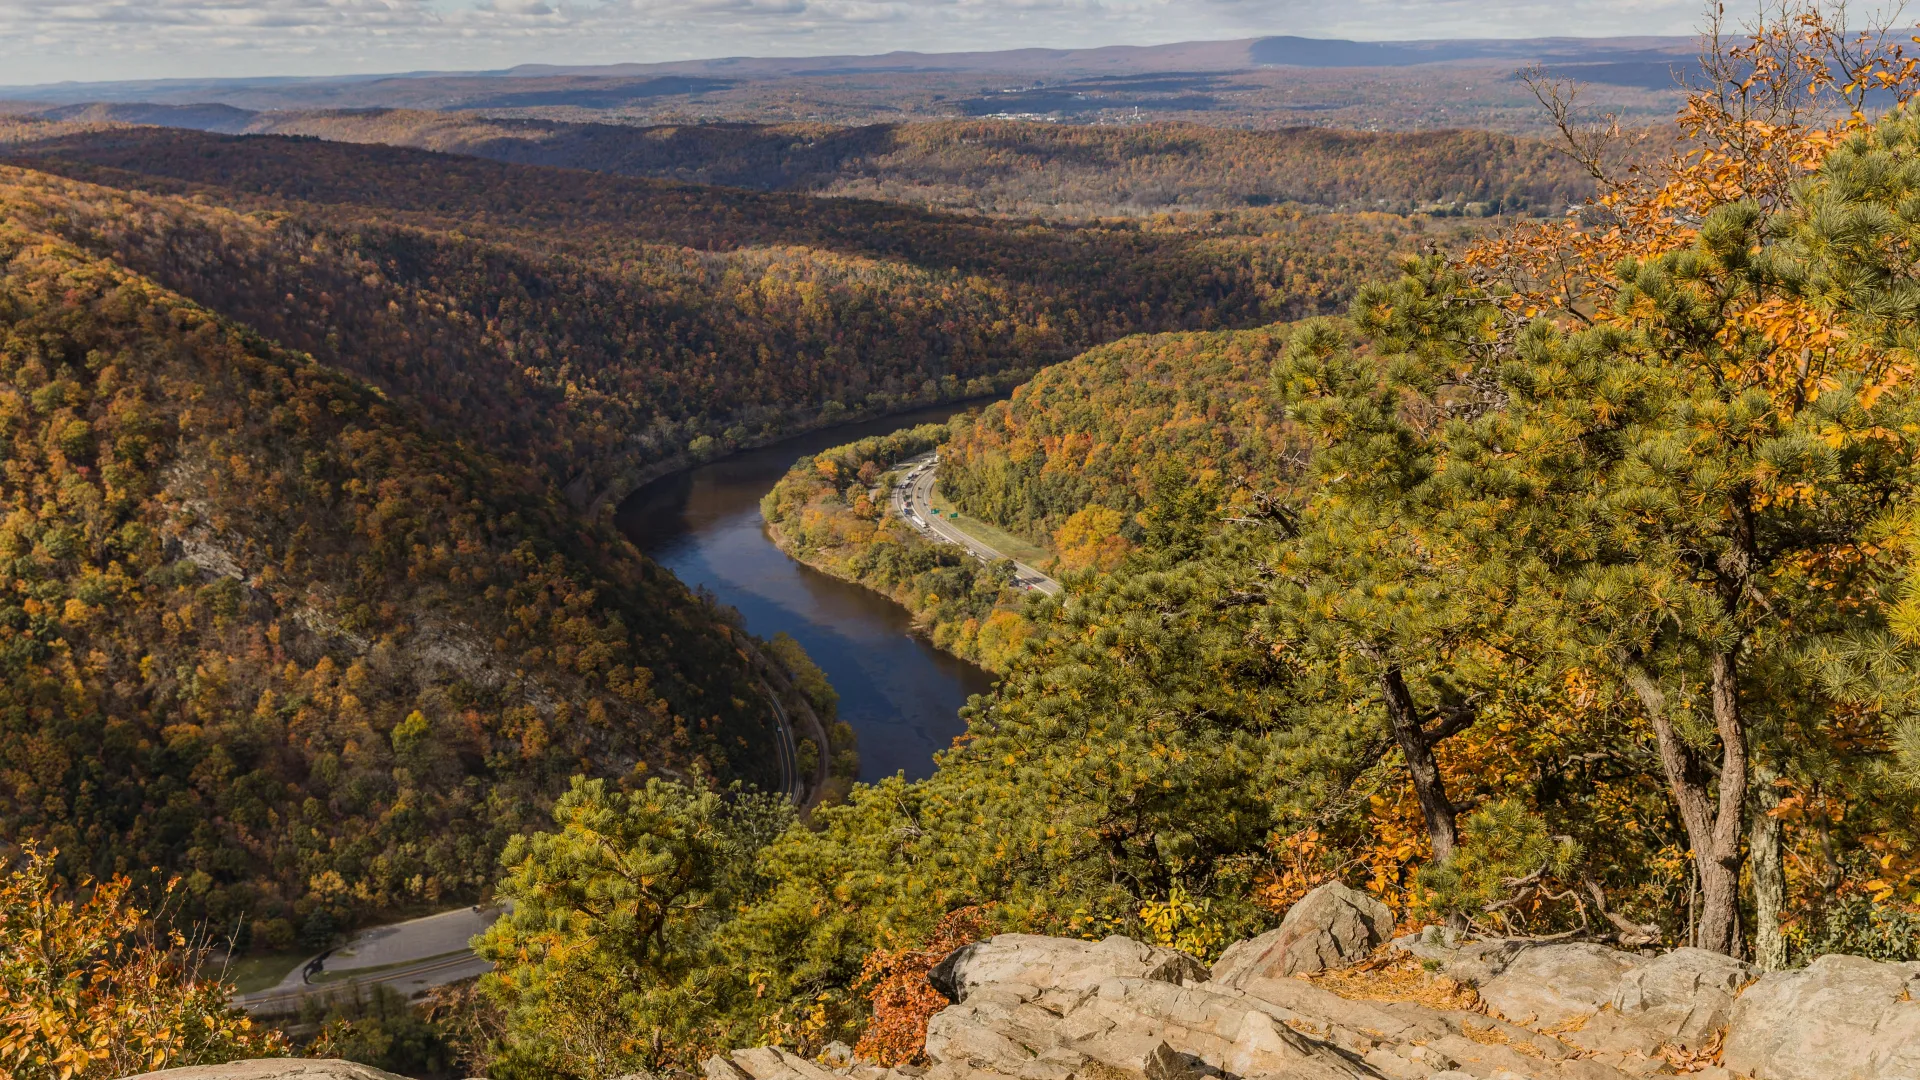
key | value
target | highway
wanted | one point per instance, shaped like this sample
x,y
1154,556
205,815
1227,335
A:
x,y
409,982
409,958
913,501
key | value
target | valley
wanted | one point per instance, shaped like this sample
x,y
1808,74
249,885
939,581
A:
x,y
1001,587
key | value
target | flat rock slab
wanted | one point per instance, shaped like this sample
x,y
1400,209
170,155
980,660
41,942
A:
x,y
1058,964
1839,1018
274,1069
1547,985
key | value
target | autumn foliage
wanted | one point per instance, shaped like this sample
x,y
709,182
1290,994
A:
x,y
1089,436
1010,167
91,987
260,627
831,512
901,997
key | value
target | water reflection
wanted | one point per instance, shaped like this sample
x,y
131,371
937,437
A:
x,y
900,695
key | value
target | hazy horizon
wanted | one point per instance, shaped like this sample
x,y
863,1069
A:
x,y
51,41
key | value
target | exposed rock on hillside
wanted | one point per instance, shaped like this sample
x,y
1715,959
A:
x,y
1839,1017
1332,926
1430,1007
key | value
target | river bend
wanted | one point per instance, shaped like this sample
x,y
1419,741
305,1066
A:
x,y
901,696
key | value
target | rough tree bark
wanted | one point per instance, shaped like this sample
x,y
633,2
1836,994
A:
x,y
1417,740
1769,874
1714,826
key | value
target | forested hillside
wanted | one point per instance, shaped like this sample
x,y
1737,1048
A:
x,y
831,512
337,613
1102,428
262,629
1590,612
603,325
1011,167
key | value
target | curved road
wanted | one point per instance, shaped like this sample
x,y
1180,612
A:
x,y
913,501
410,958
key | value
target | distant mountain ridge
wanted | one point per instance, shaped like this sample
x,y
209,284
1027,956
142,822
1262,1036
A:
x,y
470,89
1187,56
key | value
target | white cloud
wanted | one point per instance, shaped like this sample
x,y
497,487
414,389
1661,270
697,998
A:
x,y
55,40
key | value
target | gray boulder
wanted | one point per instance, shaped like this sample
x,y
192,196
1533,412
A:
x,y
1058,964
1686,995
1332,926
1472,961
1548,985
1682,998
1839,1018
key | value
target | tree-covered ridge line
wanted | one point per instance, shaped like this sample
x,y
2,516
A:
x,y
1102,428
1010,167
830,511
261,628
606,326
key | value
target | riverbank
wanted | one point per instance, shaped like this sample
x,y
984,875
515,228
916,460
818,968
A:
x,y
788,426
823,754
829,512
899,694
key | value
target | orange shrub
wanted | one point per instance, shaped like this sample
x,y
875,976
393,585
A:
x,y
902,999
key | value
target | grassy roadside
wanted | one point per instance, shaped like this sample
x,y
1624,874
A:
x,y
998,539
262,971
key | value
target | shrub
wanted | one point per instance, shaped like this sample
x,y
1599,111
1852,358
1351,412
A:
x,y
95,987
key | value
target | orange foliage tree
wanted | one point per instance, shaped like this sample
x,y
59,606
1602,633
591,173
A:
x,y
1677,412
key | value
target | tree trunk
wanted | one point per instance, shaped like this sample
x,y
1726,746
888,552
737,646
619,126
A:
x,y
1713,831
1417,745
1720,878
1769,875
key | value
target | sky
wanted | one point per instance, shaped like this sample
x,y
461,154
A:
x,y
97,40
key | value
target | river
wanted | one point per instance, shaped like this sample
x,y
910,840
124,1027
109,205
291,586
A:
x,y
901,696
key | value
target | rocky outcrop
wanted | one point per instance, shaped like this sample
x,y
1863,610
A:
x,y
274,1069
1839,1018
1036,1008
1039,1008
1330,927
